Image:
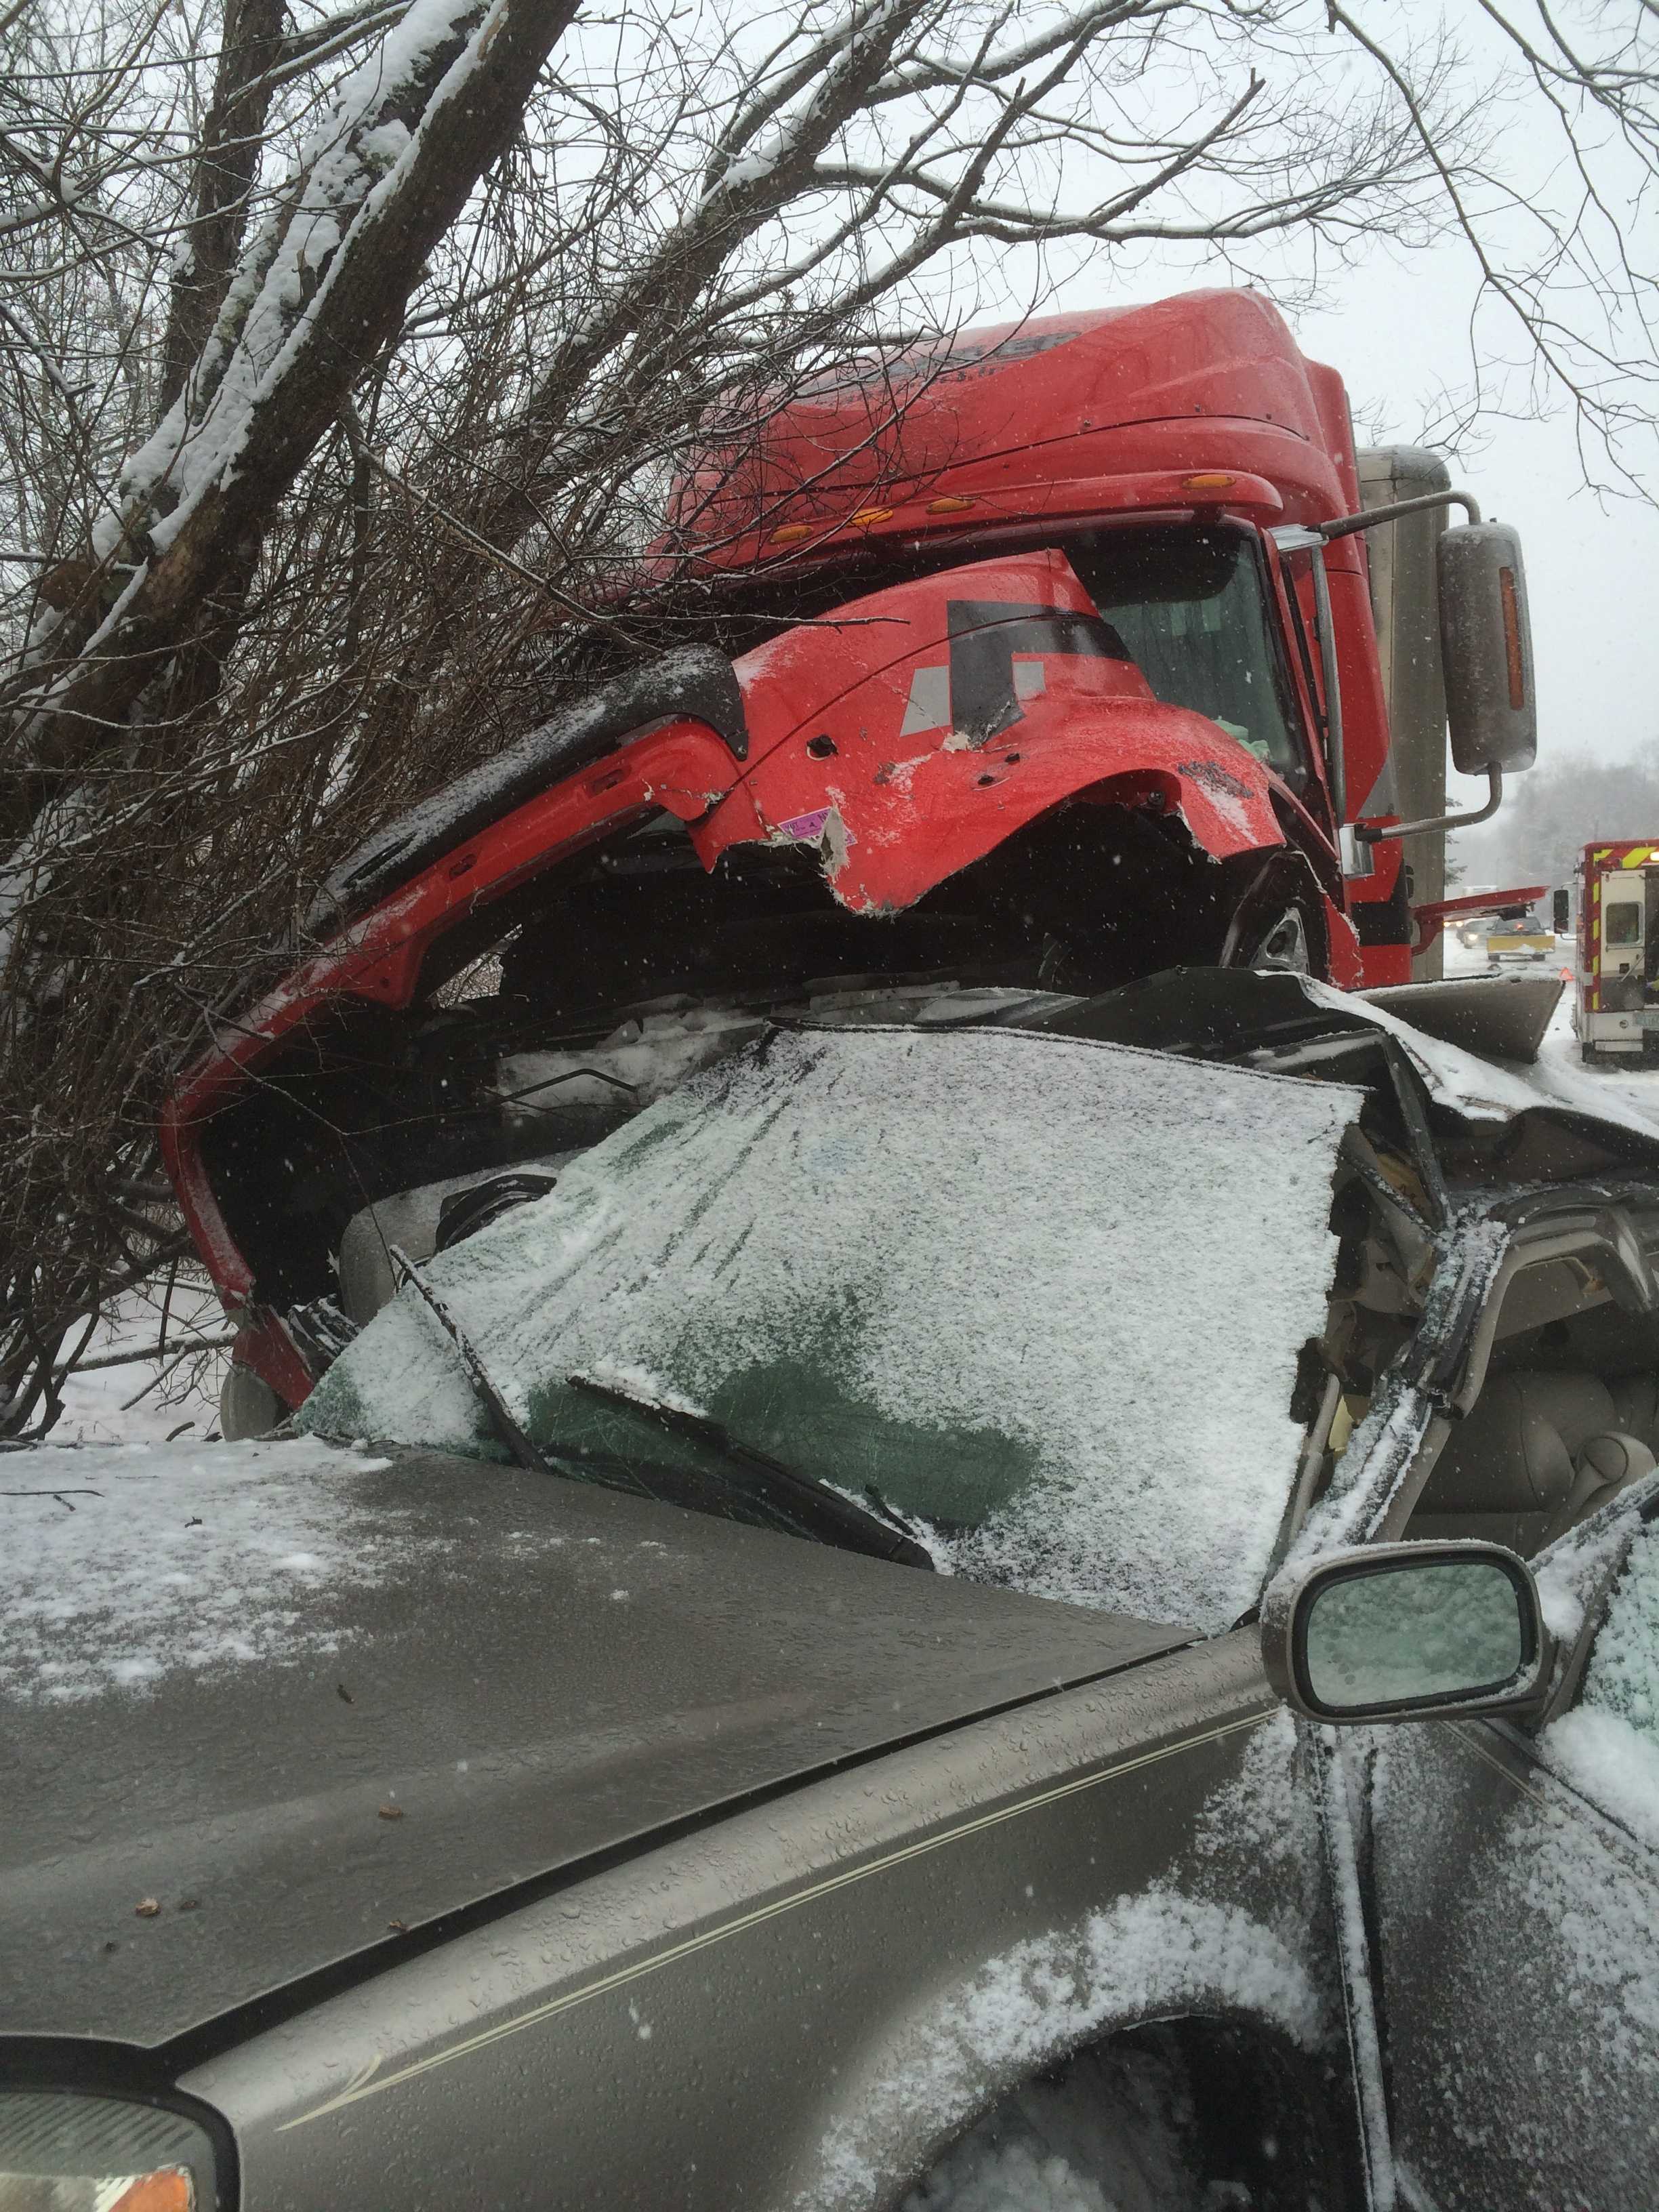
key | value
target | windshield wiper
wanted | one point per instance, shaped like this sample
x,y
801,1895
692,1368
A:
x,y
792,1500
524,1449
795,1500
478,1374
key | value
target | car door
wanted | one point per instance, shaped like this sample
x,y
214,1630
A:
x,y
1515,1882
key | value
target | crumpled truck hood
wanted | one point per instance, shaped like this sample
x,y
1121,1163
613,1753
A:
x,y
300,1700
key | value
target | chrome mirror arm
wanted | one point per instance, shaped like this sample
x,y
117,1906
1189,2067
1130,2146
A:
x,y
1347,524
1367,834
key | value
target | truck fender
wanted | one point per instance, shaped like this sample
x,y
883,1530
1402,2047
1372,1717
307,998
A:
x,y
887,830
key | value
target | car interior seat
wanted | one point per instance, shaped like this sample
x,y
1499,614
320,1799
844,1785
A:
x,y
1635,1397
1535,1454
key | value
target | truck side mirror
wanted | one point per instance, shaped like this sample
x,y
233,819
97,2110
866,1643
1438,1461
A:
x,y
1485,641
1561,915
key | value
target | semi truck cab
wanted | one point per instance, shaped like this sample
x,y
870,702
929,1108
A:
x,y
1045,660
1200,475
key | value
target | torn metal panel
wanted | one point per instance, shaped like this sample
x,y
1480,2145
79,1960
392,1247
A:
x,y
1500,1017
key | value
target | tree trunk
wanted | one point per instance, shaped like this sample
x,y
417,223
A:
x,y
232,132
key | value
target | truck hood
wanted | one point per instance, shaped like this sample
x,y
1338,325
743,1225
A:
x,y
273,1707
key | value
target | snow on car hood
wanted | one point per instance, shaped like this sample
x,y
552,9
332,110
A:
x,y
390,1688
1046,1293
123,1564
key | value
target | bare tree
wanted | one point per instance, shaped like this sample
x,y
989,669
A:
x,y
349,362
1540,836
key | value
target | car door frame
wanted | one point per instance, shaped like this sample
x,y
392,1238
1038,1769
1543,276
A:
x,y
1436,1379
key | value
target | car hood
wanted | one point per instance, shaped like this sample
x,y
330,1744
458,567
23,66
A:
x,y
268,1707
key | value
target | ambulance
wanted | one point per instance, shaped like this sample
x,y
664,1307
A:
x,y
1616,1002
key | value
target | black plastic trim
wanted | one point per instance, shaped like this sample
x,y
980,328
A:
x,y
693,681
1384,921
987,633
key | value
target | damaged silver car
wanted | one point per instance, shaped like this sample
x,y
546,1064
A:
x,y
1057,1595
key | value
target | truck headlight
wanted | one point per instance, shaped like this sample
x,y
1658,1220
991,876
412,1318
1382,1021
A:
x,y
61,2151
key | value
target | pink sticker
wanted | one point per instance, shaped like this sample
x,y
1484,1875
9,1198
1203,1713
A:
x,y
807,828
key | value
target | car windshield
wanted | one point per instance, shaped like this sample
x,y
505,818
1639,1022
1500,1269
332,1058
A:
x,y
1042,1297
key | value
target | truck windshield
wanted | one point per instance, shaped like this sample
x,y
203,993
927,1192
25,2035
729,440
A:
x,y
1191,605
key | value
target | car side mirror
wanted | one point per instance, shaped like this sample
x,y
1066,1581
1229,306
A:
x,y
1406,1631
1561,913
1485,643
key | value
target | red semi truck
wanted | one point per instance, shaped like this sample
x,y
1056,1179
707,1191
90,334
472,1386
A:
x,y
1057,656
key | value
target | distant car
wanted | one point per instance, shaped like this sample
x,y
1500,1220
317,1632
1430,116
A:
x,y
1520,935
1038,1427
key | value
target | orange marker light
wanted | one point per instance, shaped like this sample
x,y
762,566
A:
x,y
949,506
791,532
168,2190
1512,639
1213,480
874,514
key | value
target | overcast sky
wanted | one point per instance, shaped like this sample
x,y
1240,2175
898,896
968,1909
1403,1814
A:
x,y
1591,563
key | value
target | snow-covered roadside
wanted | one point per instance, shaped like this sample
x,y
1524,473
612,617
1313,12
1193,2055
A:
x,y
1631,1087
1560,1061
146,1400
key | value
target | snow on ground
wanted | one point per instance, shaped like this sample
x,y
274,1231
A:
x,y
1560,1061
146,1400
1634,1088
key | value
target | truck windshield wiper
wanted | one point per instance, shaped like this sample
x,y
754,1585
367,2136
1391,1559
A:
x,y
794,1500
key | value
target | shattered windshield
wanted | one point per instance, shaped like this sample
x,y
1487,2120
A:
x,y
1043,1298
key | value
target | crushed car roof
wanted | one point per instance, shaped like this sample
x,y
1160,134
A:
x,y
1048,1296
